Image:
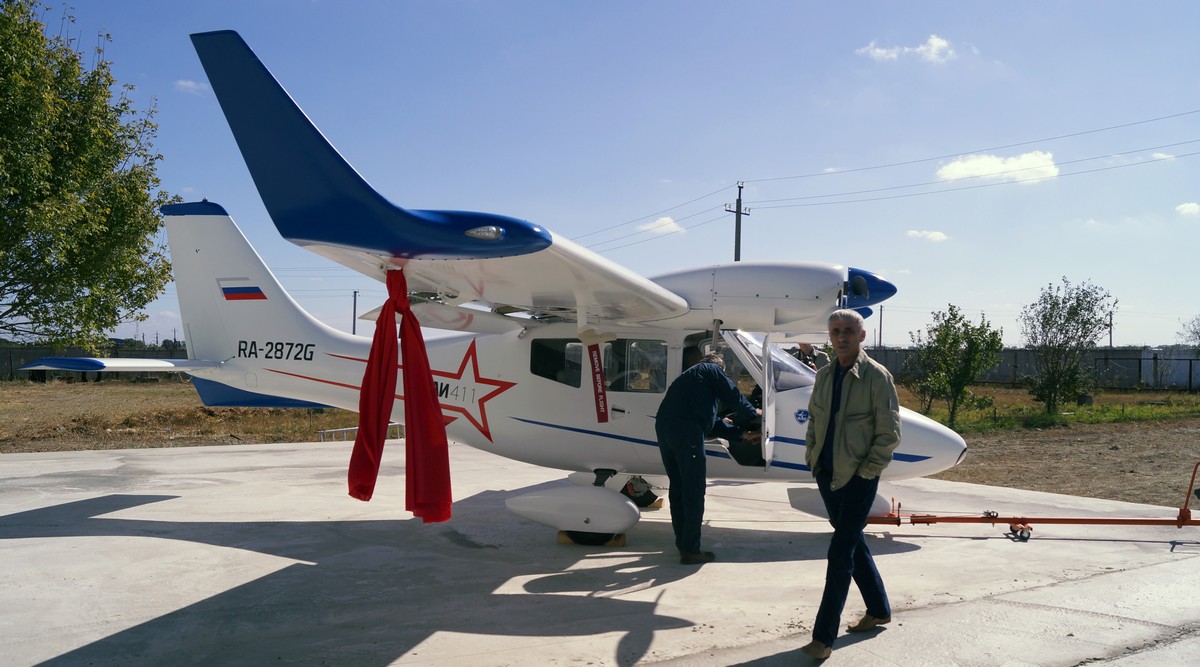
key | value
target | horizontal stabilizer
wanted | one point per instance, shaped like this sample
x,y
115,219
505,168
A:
x,y
459,318
807,499
115,365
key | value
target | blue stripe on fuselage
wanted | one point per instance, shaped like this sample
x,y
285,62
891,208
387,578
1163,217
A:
x,y
903,458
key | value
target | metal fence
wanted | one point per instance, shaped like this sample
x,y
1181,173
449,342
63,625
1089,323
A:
x,y
1114,368
394,431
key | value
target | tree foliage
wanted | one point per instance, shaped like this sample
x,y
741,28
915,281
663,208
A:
x,y
79,248
916,375
1059,327
1190,333
950,355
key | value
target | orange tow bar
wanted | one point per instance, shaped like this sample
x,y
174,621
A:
x,y
1022,526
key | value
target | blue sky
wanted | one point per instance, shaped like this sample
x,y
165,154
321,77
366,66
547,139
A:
x,y
971,153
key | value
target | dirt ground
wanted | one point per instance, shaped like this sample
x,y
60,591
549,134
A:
x,y
1144,462
1147,462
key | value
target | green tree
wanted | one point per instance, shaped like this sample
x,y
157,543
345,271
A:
x,y
79,246
951,355
1059,328
917,373
1190,333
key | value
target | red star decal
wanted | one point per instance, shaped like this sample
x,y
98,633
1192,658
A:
x,y
454,393
468,396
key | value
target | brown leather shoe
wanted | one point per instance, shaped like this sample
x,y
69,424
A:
x,y
816,650
868,622
698,558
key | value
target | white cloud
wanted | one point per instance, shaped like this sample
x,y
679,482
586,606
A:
x,y
1162,156
936,237
1189,208
665,225
1024,168
934,50
193,87
879,54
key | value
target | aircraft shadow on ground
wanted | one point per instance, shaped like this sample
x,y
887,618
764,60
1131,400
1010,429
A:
x,y
377,589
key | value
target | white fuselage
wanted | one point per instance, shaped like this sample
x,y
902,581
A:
x,y
493,400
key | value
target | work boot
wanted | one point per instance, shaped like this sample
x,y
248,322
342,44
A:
x,y
697,558
816,650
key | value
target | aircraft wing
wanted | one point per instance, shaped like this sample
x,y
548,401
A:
x,y
466,271
117,365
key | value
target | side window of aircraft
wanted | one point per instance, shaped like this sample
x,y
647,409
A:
x,y
636,365
630,365
558,359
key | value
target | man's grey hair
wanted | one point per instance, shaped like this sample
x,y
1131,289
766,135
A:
x,y
845,314
714,358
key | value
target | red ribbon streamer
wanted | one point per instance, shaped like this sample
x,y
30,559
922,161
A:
x,y
599,392
427,491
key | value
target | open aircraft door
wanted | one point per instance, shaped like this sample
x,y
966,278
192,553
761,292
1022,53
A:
x,y
759,362
768,403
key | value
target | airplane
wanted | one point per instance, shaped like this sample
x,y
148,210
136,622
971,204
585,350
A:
x,y
553,355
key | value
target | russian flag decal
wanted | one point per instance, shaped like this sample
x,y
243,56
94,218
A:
x,y
240,289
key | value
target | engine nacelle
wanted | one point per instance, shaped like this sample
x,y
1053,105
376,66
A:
x,y
793,297
589,509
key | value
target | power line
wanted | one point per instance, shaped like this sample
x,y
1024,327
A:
x,y
665,210
979,186
759,205
977,150
882,166
998,173
677,231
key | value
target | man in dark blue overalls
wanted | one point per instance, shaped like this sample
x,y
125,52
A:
x,y
687,414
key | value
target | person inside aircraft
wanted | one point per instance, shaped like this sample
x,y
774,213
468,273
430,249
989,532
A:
x,y
687,414
813,357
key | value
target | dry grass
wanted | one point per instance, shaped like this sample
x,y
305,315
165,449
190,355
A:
x,y
1140,461
61,416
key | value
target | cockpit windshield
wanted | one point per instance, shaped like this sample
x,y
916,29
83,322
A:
x,y
789,372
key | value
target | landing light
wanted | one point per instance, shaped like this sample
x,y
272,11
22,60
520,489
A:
x,y
486,233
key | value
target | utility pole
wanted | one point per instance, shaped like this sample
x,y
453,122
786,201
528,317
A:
x,y
880,325
354,315
737,212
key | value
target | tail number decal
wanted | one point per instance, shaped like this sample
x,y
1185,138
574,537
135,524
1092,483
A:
x,y
273,349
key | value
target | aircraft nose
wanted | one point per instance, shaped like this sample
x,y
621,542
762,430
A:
x,y
951,445
938,447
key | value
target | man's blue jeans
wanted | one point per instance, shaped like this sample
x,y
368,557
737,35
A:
x,y
849,557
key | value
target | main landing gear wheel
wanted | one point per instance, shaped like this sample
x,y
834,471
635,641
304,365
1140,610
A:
x,y
637,490
590,539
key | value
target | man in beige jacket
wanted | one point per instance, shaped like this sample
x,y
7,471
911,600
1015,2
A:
x,y
853,427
